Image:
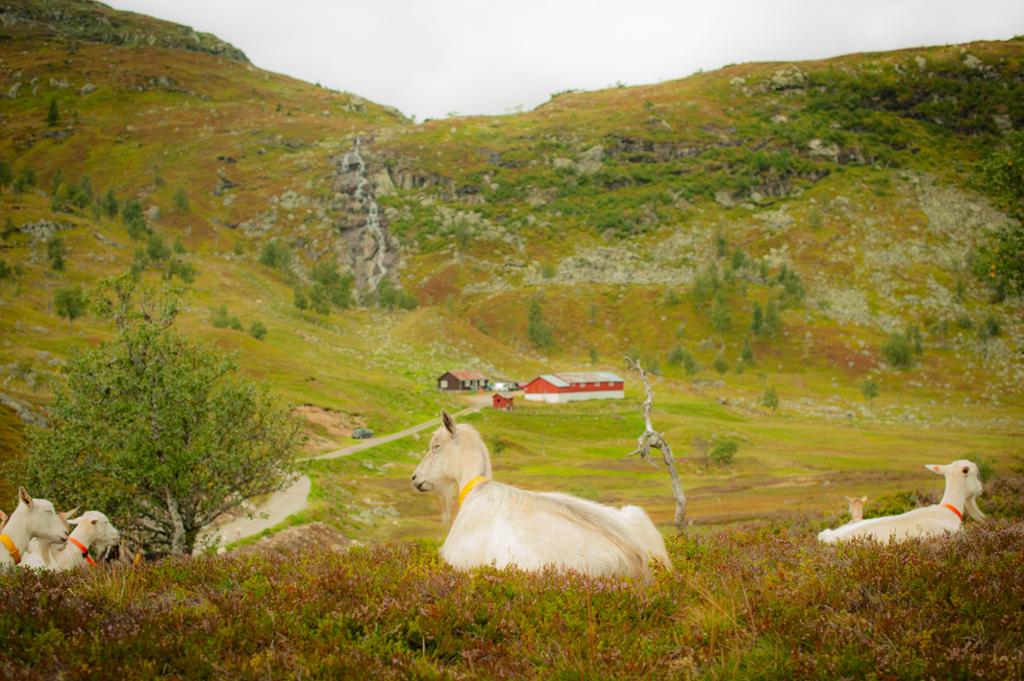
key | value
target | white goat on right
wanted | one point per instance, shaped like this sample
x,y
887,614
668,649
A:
x,y
92,530
963,486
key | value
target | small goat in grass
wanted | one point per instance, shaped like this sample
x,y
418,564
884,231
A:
x,y
963,486
92,530
856,508
32,519
499,525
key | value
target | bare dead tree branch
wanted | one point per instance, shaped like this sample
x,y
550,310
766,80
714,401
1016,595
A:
x,y
651,438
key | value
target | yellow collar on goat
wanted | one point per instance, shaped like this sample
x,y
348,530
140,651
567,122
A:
x,y
469,487
9,543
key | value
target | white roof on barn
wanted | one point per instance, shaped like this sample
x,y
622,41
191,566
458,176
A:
x,y
564,380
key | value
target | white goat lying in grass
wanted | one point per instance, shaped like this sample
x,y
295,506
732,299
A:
x,y
501,525
963,486
32,519
92,529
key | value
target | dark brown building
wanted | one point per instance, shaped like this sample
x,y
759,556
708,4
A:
x,y
462,380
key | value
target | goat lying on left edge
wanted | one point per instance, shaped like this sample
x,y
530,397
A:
x,y
93,530
32,519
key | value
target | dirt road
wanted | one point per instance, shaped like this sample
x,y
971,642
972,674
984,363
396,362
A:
x,y
278,506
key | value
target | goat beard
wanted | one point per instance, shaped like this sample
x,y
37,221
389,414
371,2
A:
x,y
447,493
971,506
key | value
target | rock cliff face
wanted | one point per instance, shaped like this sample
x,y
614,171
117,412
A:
x,y
94,22
368,248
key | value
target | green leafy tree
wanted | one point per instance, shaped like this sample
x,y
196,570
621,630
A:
x,y
770,398
53,113
258,330
177,267
870,389
25,180
319,299
176,436
540,334
902,349
69,302
156,248
721,365
55,252
180,200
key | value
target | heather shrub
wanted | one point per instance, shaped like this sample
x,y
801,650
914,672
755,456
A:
x,y
753,602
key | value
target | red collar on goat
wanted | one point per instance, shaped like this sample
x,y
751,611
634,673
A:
x,y
956,510
83,549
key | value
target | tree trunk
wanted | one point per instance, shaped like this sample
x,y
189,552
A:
x,y
179,541
651,438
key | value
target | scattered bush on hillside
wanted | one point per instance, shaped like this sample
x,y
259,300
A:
x,y
721,245
258,330
593,355
55,252
178,247
221,319
109,204
25,180
390,297
538,331
990,328
721,318
52,113
239,248
902,349
338,287
756,319
156,248
177,436
319,300
705,286
870,389
1000,263
899,502
6,174
276,254
770,398
721,365
747,354
300,300
9,230
176,267
179,201
724,452
69,302
793,288
815,219
5,270
772,325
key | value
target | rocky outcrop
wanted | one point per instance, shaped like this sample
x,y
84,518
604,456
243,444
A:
x,y
367,247
95,22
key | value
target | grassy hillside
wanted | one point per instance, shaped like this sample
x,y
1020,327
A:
x,y
838,197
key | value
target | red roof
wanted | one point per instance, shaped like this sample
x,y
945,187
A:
x,y
468,375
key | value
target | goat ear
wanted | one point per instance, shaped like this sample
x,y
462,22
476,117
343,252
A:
x,y
936,468
849,498
863,499
24,497
3,519
448,421
64,515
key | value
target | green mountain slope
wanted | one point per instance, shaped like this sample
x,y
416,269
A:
x,y
838,197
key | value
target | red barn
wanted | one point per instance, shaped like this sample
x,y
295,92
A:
x,y
569,387
504,402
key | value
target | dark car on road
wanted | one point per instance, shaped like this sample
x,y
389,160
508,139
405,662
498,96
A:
x,y
362,433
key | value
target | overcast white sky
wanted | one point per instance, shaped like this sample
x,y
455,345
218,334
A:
x,y
430,58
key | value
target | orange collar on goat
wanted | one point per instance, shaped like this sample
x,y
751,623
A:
x,y
956,510
469,487
83,549
9,543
